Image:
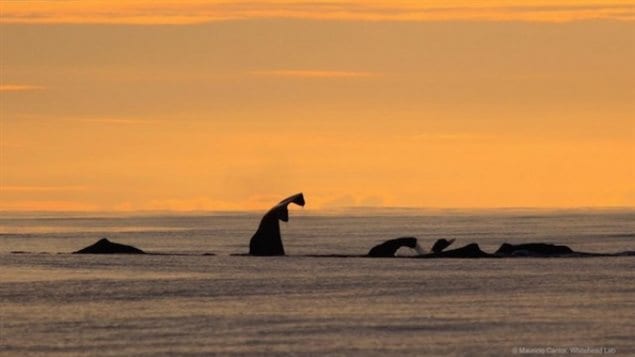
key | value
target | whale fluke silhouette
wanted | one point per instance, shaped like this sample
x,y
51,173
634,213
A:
x,y
533,250
104,246
390,247
441,244
267,241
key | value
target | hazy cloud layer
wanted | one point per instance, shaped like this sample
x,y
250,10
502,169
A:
x,y
18,87
314,74
197,11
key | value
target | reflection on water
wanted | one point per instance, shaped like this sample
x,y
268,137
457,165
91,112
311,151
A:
x,y
179,304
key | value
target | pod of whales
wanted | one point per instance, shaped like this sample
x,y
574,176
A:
x,y
390,247
267,240
472,250
104,246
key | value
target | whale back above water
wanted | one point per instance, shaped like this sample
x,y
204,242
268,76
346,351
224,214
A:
x,y
533,250
390,247
441,244
267,240
104,246
471,250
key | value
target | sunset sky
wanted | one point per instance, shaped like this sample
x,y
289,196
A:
x,y
219,105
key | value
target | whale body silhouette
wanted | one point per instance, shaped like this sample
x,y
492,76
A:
x,y
533,250
471,250
390,247
441,244
267,240
104,246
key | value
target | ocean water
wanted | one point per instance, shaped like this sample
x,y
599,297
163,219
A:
x,y
186,303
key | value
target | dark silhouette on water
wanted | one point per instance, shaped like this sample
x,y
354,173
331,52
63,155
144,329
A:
x,y
104,246
441,244
469,251
267,240
390,247
534,250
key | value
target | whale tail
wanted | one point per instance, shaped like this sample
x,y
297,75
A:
x,y
282,210
267,239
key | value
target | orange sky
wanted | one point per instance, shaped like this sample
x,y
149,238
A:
x,y
155,106
201,11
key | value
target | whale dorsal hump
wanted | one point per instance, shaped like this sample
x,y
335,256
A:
x,y
104,246
390,247
441,244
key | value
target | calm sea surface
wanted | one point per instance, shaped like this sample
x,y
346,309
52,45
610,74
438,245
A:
x,y
55,303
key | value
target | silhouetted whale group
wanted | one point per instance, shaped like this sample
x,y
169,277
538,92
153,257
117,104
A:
x,y
267,241
472,250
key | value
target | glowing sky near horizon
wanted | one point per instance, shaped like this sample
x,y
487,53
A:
x,y
202,11
210,105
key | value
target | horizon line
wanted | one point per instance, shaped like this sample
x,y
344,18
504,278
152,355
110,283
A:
x,y
318,211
